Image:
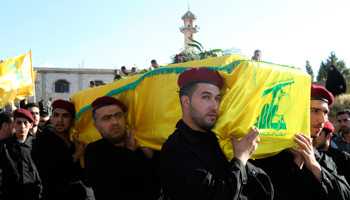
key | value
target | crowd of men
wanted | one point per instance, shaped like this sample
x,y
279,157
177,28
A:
x,y
39,160
124,73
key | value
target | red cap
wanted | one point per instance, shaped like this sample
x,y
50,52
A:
x,y
107,100
199,75
321,93
59,103
20,112
328,127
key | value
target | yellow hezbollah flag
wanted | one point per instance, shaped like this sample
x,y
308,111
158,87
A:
x,y
7,97
274,98
16,74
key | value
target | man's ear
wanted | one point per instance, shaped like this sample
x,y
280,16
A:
x,y
329,136
185,100
96,125
4,125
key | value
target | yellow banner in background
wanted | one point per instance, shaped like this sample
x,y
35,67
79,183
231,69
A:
x,y
16,74
272,97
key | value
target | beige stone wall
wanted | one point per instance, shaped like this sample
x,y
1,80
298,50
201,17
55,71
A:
x,y
78,80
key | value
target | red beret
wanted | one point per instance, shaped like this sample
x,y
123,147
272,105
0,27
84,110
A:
x,y
328,127
321,93
20,112
59,103
107,100
199,75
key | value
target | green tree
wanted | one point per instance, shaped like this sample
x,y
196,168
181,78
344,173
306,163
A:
x,y
332,60
309,70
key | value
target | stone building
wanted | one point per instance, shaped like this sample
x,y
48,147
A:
x,y
62,83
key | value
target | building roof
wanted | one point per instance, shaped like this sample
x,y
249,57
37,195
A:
x,y
189,14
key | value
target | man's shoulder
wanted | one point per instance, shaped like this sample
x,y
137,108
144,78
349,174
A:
x,y
97,144
174,139
45,137
100,146
338,139
6,141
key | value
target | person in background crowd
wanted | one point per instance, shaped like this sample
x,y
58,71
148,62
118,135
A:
x,y
44,117
23,102
154,64
124,71
20,179
57,158
114,165
41,105
305,172
34,111
8,108
6,129
48,106
335,83
92,84
133,70
257,55
116,74
343,141
192,164
341,158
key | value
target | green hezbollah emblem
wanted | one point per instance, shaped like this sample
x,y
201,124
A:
x,y
272,117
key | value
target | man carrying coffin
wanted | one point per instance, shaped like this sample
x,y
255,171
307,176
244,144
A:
x,y
192,164
305,172
114,165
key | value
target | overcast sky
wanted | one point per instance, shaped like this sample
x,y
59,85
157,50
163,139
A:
x,y
108,34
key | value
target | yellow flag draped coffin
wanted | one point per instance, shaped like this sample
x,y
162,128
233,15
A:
x,y
272,97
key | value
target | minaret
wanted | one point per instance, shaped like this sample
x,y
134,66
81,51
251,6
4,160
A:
x,y
189,28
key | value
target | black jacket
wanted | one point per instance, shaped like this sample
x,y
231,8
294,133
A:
x,y
193,166
61,177
119,173
292,183
342,160
20,178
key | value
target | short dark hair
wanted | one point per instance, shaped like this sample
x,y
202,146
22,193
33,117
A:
x,y
257,51
133,68
92,82
188,91
153,61
30,105
344,111
5,117
326,132
43,113
123,67
115,70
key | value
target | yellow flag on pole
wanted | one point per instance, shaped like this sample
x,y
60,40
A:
x,y
16,76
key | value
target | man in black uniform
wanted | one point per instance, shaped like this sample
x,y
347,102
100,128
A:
x,y
20,179
305,172
192,164
57,158
114,166
341,158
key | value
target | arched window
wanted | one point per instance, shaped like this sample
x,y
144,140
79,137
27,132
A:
x,y
98,83
62,86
